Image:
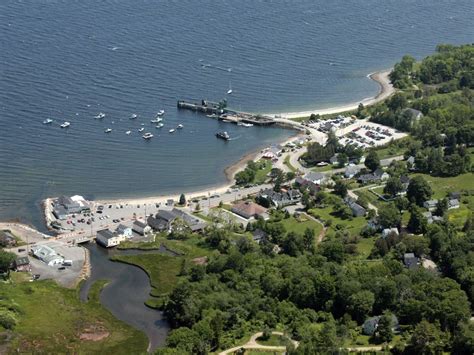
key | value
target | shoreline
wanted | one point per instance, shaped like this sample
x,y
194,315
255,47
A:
x,y
385,90
229,173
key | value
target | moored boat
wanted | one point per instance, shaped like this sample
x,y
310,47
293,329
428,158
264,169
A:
x,y
133,116
128,132
147,135
108,130
171,130
180,126
47,121
65,124
100,115
141,129
223,135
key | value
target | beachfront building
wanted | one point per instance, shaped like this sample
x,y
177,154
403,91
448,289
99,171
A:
x,y
107,238
47,255
64,206
279,199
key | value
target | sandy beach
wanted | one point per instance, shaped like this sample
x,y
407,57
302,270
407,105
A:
x,y
386,90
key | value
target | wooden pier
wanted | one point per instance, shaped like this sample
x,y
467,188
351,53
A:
x,y
224,114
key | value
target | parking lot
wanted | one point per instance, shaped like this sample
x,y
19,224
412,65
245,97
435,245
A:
x,y
65,275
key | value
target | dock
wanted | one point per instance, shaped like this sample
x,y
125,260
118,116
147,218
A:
x,y
222,113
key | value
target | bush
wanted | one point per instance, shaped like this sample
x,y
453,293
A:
x,y
7,319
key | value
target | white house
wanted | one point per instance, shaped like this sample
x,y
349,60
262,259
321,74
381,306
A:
x,y
351,171
430,205
315,177
453,204
141,228
107,238
387,231
124,231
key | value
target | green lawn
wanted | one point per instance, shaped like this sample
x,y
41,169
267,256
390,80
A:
x,y
262,174
394,148
442,185
301,224
460,215
328,167
52,319
354,226
364,247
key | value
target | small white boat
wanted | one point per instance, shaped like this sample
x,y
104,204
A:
x,y
48,121
230,89
247,124
156,120
147,135
108,130
65,124
180,126
160,113
141,129
133,116
128,132
213,116
100,115
159,125
171,130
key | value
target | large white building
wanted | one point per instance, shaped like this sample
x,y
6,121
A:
x,y
107,238
47,255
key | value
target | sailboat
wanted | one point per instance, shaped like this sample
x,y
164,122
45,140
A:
x,y
230,89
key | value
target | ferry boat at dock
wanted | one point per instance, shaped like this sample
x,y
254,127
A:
x,y
223,135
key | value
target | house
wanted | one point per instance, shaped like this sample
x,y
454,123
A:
x,y
7,239
315,177
367,178
107,238
259,235
357,210
410,260
381,175
140,227
351,171
306,184
430,205
411,163
47,255
22,264
333,160
124,231
248,209
430,218
453,204
280,199
405,180
370,325
163,220
387,231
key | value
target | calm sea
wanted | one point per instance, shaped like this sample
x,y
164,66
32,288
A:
x,y
71,59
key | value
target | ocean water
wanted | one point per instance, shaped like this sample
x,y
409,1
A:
x,y
70,59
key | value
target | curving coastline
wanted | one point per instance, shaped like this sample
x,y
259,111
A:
x,y
380,77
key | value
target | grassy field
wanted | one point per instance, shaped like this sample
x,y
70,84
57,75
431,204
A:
x,y
354,226
328,167
442,185
301,224
52,320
